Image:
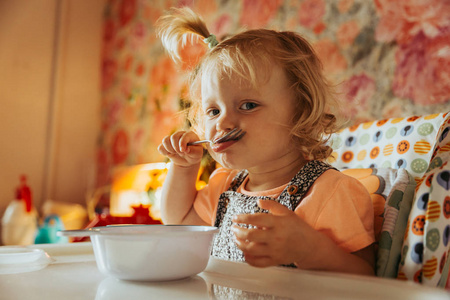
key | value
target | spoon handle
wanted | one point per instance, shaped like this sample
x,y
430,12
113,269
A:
x,y
199,142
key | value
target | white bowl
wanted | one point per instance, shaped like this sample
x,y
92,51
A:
x,y
149,252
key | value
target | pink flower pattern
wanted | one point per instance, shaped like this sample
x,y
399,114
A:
x,y
127,11
344,5
347,32
120,147
109,70
402,20
357,91
423,70
311,12
257,13
422,30
222,25
329,53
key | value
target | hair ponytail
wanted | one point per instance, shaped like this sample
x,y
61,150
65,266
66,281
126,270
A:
x,y
175,28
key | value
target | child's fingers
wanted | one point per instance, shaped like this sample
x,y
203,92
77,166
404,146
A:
x,y
166,146
187,138
252,248
249,234
176,144
260,220
274,207
250,240
163,151
175,141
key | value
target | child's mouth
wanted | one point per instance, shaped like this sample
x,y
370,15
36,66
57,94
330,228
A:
x,y
234,134
219,147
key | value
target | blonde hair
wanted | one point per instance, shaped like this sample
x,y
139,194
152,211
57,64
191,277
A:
x,y
240,54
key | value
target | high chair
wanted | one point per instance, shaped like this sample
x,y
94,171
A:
x,y
404,164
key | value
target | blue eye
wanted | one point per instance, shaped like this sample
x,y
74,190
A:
x,y
212,112
248,106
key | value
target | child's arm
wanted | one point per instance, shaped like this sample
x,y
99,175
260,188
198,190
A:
x,y
282,237
179,189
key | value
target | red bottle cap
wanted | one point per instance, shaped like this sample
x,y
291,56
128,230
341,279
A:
x,y
23,192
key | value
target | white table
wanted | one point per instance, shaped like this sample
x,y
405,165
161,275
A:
x,y
73,274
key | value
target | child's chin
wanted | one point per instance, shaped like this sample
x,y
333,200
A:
x,y
226,163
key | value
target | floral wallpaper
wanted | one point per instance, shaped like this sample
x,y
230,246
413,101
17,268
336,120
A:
x,y
388,59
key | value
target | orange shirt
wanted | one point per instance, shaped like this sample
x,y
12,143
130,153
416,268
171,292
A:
x,y
336,205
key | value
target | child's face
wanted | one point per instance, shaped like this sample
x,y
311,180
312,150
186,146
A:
x,y
265,113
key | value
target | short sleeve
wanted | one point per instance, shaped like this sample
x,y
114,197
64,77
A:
x,y
340,207
205,203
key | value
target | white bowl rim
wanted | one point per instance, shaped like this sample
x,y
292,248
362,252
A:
x,y
143,230
153,229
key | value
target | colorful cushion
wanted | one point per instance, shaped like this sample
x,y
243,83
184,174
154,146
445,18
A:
x,y
392,192
425,254
421,146
400,143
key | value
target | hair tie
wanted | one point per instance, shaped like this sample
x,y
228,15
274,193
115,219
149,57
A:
x,y
211,41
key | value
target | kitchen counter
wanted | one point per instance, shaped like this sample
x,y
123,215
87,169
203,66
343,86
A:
x,y
73,274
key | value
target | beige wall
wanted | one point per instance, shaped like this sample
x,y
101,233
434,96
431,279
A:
x,y
49,97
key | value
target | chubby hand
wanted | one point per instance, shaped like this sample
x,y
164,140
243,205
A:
x,y
176,148
279,237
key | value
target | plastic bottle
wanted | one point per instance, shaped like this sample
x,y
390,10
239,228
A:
x,y
19,222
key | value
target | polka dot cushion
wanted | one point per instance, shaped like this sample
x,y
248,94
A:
x,y
420,145
426,245
425,254
397,143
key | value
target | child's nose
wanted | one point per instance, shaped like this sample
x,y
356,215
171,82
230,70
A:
x,y
225,122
